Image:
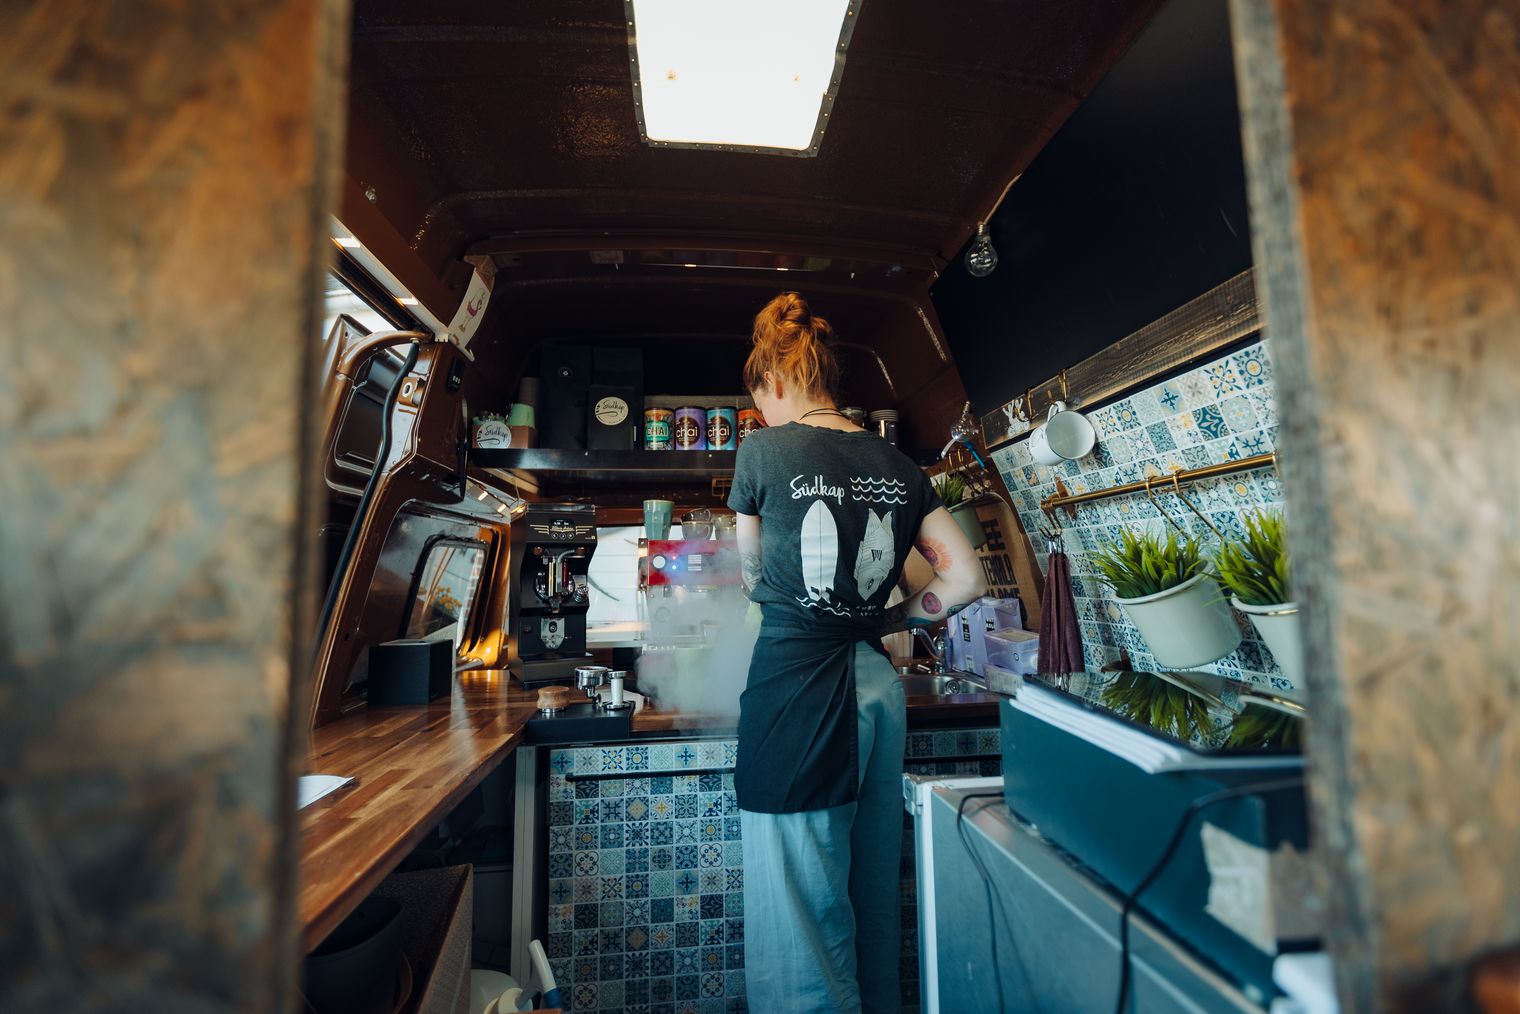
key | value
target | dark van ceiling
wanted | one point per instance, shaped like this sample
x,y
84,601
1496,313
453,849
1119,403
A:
x,y
508,130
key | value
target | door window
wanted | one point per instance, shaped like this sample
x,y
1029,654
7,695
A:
x,y
445,591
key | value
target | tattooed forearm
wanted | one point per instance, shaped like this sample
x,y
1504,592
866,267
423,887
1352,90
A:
x,y
749,564
935,552
900,617
922,610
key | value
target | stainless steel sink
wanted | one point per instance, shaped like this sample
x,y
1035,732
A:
x,y
918,683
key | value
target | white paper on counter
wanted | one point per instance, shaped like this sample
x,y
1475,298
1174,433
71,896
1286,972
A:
x,y
310,788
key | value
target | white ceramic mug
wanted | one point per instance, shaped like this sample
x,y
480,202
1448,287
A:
x,y
1066,436
1039,442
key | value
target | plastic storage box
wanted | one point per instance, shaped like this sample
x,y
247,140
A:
x,y
1012,651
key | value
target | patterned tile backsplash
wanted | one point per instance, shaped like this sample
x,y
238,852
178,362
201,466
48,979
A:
x,y
1218,412
646,872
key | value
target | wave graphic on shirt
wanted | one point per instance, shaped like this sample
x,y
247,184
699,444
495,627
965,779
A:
x,y
865,489
828,607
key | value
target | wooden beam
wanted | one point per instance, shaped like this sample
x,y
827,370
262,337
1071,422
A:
x,y
167,173
1382,140
646,240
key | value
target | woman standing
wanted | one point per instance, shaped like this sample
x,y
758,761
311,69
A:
x,y
827,514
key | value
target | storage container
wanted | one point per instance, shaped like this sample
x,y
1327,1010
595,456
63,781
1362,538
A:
x,y
1012,651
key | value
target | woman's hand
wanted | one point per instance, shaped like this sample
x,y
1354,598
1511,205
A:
x,y
958,579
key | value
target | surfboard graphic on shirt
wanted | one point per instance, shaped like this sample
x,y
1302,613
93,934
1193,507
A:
x,y
820,551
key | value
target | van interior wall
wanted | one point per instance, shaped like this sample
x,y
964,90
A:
x,y
1137,206
420,478
696,336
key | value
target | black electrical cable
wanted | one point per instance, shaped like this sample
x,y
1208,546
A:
x,y
351,540
1194,808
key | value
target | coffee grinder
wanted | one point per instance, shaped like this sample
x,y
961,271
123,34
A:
x,y
551,551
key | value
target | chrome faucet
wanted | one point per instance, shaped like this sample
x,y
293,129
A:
x,y
936,646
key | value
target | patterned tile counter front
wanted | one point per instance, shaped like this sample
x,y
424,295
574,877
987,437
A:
x,y
646,872
1221,411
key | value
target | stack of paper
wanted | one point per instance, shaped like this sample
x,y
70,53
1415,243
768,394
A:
x,y
310,788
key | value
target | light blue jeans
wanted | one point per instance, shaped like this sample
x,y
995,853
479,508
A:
x,y
821,908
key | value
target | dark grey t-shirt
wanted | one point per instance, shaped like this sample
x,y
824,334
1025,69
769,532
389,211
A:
x,y
838,513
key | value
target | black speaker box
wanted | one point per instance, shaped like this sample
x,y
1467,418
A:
x,y
565,378
616,399
410,671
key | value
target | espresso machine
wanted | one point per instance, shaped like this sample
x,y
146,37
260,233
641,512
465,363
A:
x,y
691,597
551,551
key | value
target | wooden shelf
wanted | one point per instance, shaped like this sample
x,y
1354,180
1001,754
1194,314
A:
x,y
623,468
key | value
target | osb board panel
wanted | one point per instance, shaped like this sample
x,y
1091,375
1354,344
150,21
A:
x,y
1382,140
166,174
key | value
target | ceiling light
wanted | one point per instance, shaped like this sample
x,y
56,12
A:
x,y
746,75
347,242
407,300
981,258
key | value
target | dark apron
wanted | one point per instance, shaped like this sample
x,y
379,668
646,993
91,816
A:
x,y
797,720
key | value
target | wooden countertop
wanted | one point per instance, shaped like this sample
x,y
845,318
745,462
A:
x,y
411,767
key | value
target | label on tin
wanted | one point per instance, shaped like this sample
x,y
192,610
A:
x,y
657,435
493,433
688,432
720,431
610,411
749,422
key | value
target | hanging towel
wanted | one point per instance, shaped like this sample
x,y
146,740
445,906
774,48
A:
x,y
1060,637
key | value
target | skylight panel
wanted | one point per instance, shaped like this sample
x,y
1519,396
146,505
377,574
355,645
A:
x,y
737,75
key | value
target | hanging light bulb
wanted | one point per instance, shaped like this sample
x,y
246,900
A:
x,y
981,258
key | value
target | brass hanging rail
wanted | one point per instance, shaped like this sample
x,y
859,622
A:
x,y
1070,500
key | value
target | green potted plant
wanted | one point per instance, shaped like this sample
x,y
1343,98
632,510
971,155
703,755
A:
x,y
1255,570
1167,588
952,490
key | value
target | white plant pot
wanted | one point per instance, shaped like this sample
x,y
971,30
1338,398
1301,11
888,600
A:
x,y
1186,626
1279,629
964,514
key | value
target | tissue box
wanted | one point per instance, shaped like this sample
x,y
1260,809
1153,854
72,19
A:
x,y
965,649
1001,614
1013,651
